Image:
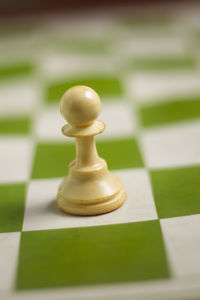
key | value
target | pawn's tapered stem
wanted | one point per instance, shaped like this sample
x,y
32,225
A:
x,y
86,152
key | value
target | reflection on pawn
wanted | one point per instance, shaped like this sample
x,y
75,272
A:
x,y
89,189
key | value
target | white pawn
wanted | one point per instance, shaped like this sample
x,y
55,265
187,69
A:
x,y
89,189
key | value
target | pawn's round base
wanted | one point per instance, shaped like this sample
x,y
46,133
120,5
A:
x,y
89,209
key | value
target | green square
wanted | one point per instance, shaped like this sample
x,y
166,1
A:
x,y
147,21
82,45
176,191
91,255
169,112
52,160
164,63
105,86
121,153
15,125
15,70
12,207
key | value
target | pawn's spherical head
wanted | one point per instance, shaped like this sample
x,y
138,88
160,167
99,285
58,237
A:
x,y
80,105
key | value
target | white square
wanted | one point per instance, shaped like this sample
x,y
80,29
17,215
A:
x,y
160,86
8,259
172,146
152,46
48,125
41,212
15,159
18,98
182,240
118,118
80,26
62,66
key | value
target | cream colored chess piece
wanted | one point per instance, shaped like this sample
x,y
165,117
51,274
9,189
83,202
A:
x,y
89,189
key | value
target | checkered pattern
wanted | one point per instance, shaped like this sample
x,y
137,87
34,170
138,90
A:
x,y
147,74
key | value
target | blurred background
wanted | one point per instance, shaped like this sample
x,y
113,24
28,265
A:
x,y
141,50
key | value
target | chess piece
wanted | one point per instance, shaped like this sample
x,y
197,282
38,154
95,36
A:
x,y
90,188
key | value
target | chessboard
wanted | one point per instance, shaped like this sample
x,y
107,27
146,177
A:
x,y
145,65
